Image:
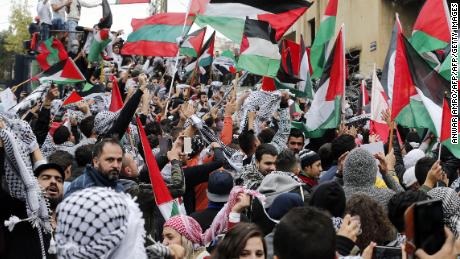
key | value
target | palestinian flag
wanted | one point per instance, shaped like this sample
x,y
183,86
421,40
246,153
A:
x,y
116,102
259,53
293,56
431,88
325,111
416,87
205,59
51,52
192,43
156,35
447,129
388,73
100,41
74,97
304,86
319,49
63,72
379,104
116,2
206,54
431,30
445,68
286,60
168,206
228,16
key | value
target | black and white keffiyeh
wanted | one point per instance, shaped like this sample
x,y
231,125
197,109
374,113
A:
x,y
265,103
100,223
19,142
104,121
450,207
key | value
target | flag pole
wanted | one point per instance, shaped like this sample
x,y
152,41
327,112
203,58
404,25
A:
x,y
363,101
177,56
439,152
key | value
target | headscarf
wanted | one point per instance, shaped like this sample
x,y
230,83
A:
x,y
186,226
99,223
190,229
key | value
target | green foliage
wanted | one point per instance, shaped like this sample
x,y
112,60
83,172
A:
x,y
6,59
19,19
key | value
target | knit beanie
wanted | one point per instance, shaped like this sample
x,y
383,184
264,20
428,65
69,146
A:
x,y
187,227
283,203
329,196
308,157
411,158
360,168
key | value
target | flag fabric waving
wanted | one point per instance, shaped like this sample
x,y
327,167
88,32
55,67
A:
x,y
446,129
156,35
407,107
259,53
168,206
319,49
116,102
388,73
63,72
305,85
206,54
192,43
363,97
227,16
51,52
431,29
325,111
379,104
74,97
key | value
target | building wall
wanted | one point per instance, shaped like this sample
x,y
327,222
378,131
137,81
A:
x,y
365,21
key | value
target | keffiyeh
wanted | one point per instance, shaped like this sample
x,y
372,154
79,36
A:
x,y
450,207
19,176
104,121
99,223
265,103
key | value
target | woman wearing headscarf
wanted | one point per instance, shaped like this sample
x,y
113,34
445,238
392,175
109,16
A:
x,y
186,231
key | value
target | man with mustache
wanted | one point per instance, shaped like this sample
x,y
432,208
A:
x,y
50,177
105,170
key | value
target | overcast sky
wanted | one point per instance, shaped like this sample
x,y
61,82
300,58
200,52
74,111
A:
x,y
122,13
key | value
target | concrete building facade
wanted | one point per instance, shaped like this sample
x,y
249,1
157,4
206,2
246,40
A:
x,y
368,25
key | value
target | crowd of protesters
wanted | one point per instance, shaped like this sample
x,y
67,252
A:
x,y
75,183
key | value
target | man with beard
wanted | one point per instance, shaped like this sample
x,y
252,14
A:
x,y
106,168
50,178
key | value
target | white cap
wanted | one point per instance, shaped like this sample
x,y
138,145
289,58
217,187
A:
x,y
409,177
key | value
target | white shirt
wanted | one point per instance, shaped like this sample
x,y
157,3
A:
x,y
75,8
61,12
44,12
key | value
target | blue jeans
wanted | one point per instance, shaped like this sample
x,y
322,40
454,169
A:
x,y
44,31
72,25
58,24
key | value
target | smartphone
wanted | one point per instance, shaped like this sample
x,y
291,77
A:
x,y
424,226
187,145
386,252
165,145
